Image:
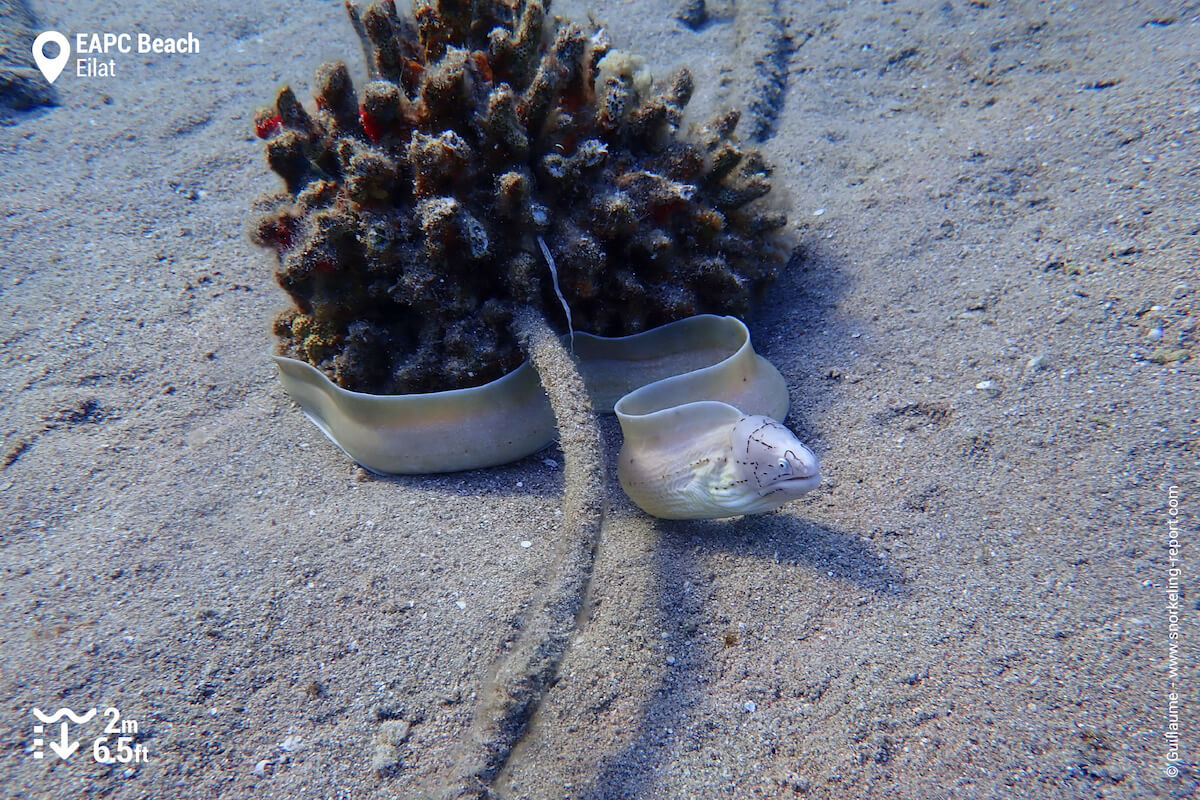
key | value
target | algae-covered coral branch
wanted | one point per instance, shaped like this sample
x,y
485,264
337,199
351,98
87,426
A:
x,y
407,231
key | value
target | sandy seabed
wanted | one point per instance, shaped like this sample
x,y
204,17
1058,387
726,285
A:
x,y
990,335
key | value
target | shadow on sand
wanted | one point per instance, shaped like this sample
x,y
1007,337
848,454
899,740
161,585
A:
x,y
682,551
805,303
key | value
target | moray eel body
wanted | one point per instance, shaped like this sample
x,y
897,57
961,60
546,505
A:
x,y
415,434
698,408
704,443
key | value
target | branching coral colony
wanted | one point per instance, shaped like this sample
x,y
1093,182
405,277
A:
x,y
409,229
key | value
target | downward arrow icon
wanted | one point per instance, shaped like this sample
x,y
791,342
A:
x,y
64,748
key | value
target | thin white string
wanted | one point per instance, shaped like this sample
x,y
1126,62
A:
x,y
557,291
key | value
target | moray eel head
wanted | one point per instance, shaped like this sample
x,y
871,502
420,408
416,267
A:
x,y
708,460
772,462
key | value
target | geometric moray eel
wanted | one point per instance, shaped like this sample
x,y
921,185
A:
x,y
698,409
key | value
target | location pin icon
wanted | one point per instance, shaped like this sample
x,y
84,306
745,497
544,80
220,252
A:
x,y
51,67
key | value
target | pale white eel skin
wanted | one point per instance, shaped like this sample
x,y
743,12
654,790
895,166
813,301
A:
x,y
698,408
416,434
703,442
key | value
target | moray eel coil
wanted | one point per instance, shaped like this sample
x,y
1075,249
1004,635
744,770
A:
x,y
698,408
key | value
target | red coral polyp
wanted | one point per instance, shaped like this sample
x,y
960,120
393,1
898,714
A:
x,y
267,126
371,126
284,233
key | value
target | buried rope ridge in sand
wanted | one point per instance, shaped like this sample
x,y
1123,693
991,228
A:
x,y
519,678
760,65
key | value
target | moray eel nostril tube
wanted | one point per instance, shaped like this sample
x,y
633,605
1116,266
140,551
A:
x,y
698,410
